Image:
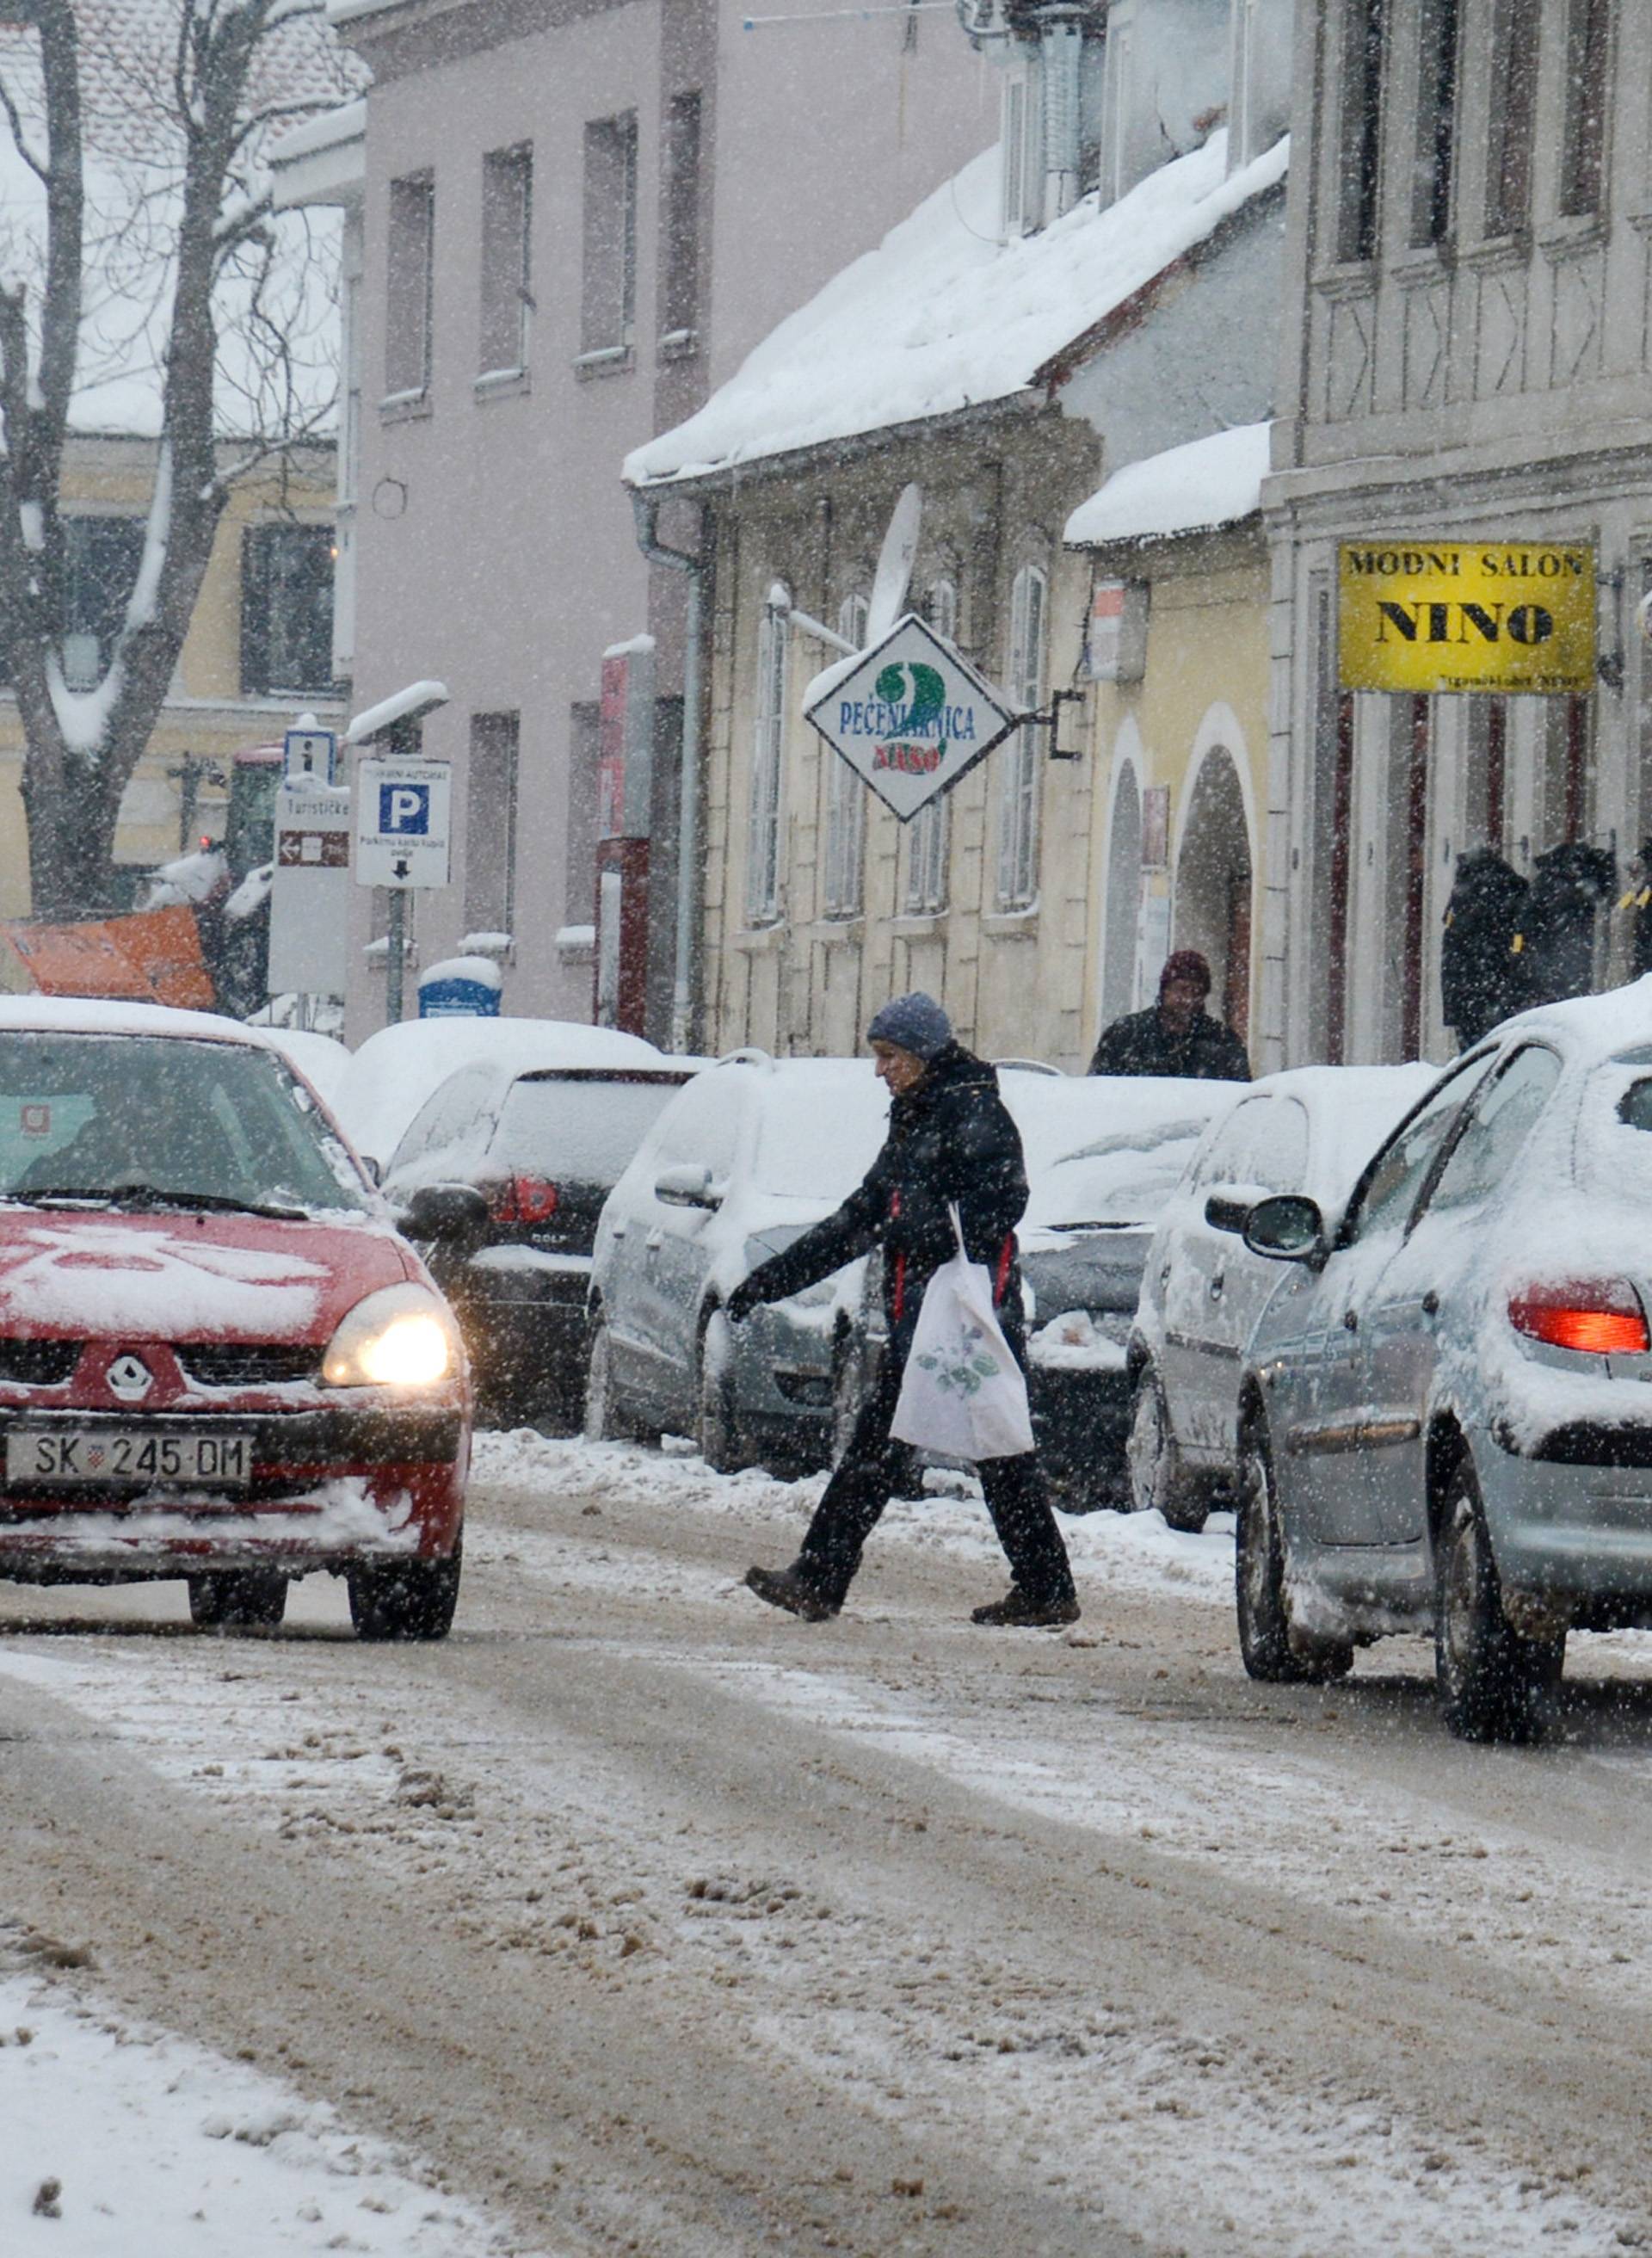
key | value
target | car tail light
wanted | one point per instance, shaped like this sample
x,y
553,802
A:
x,y
524,1199
1598,1316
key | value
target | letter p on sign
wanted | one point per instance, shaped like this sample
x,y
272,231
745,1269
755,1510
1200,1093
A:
x,y
404,809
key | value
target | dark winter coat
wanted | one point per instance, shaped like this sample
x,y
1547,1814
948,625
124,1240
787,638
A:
x,y
950,1138
1568,885
1143,1044
1482,975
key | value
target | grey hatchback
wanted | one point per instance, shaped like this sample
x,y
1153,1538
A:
x,y
1446,1408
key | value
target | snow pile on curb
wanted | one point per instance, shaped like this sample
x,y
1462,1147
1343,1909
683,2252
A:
x,y
123,2142
1124,1551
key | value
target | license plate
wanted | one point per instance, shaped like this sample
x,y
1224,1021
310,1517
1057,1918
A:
x,y
96,1458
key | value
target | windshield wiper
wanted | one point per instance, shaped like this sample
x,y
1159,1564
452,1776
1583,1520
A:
x,y
1091,1225
139,1196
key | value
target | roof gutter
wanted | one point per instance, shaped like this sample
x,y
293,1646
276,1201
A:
x,y
646,510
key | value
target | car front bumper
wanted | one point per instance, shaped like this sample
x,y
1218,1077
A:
x,y
1080,1421
329,1487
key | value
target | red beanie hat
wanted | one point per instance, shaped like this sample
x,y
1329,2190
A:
x,y
1184,964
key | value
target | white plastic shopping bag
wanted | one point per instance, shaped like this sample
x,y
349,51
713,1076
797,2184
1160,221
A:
x,y
962,1393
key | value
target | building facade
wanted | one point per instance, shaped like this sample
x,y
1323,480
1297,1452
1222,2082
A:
x,y
576,223
1101,460
1465,369
259,652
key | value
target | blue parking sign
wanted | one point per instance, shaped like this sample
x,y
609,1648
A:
x,y
404,809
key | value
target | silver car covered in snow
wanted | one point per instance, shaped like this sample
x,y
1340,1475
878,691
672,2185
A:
x,y
1446,1408
1310,1129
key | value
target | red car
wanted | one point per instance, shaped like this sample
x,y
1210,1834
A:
x,y
218,1359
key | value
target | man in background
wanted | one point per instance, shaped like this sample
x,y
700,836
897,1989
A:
x,y
1175,1035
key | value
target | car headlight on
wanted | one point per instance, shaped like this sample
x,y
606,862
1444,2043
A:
x,y
401,1336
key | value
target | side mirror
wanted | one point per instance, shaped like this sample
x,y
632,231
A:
x,y
1223,1212
1286,1228
446,1211
688,1186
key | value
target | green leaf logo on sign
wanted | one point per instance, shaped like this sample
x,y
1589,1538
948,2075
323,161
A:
x,y
916,687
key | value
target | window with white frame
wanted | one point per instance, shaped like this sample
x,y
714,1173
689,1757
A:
x,y
1021,773
843,874
769,737
1021,153
929,833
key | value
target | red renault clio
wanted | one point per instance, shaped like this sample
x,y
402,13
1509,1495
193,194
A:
x,y
218,1360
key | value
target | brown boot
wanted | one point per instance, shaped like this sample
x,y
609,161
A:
x,y
783,1588
1016,1612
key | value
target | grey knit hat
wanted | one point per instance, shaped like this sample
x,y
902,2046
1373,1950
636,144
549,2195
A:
x,y
916,1022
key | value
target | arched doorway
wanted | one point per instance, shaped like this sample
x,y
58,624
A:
x,y
1213,885
1123,898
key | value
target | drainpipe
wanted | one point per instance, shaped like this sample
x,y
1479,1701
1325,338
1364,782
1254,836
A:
x,y
1060,46
646,511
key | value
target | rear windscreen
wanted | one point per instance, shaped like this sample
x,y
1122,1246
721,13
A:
x,y
581,1128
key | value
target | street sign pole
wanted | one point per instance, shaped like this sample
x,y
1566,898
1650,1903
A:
x,y
402,810
396,944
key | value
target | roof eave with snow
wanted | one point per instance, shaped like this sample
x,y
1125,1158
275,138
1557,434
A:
x,y
944,314
851,447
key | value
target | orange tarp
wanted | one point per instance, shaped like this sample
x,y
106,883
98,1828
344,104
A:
x,y
153,956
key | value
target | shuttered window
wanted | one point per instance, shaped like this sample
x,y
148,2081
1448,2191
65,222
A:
x,y
1021,773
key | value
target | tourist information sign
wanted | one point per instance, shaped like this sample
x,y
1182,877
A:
x,y
910,716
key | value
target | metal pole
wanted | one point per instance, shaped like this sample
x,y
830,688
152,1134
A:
x,y
395,944
688,874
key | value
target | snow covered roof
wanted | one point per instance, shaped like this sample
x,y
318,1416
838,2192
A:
x,y
397,1068
1208,482
133,169
947,315
84,1015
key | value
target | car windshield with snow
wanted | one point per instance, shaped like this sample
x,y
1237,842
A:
x,y
500,1180
748,1155
1444,1414
218,1361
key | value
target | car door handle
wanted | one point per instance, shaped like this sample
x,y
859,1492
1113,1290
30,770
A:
x,y
1216,1286
618,1229
655,1241
1350,1318
1431,1304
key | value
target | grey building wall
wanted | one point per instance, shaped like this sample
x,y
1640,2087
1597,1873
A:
x,y
1489,383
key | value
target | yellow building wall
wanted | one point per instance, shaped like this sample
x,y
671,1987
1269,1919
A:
x,y
207,714
1204,687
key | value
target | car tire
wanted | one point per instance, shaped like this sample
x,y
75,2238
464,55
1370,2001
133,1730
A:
x,y
404,1599
243,1599
1156,1483
603,1421
718,1427
1272,1651
1494,1683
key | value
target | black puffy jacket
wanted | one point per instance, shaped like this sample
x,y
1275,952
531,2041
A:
x,y
1144,1044
950,1138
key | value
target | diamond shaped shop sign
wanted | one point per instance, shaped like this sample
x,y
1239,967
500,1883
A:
x,y
910,716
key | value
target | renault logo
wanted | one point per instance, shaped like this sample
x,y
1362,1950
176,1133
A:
x,y
129,1377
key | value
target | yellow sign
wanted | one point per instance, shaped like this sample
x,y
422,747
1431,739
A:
x,y
1515,616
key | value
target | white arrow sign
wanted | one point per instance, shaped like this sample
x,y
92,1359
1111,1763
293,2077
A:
x,y
910,716
401,821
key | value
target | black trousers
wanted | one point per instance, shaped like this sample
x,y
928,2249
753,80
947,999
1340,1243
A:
x,y
855,1498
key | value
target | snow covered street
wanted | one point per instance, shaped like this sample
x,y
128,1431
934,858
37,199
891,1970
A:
x,y
637,1917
